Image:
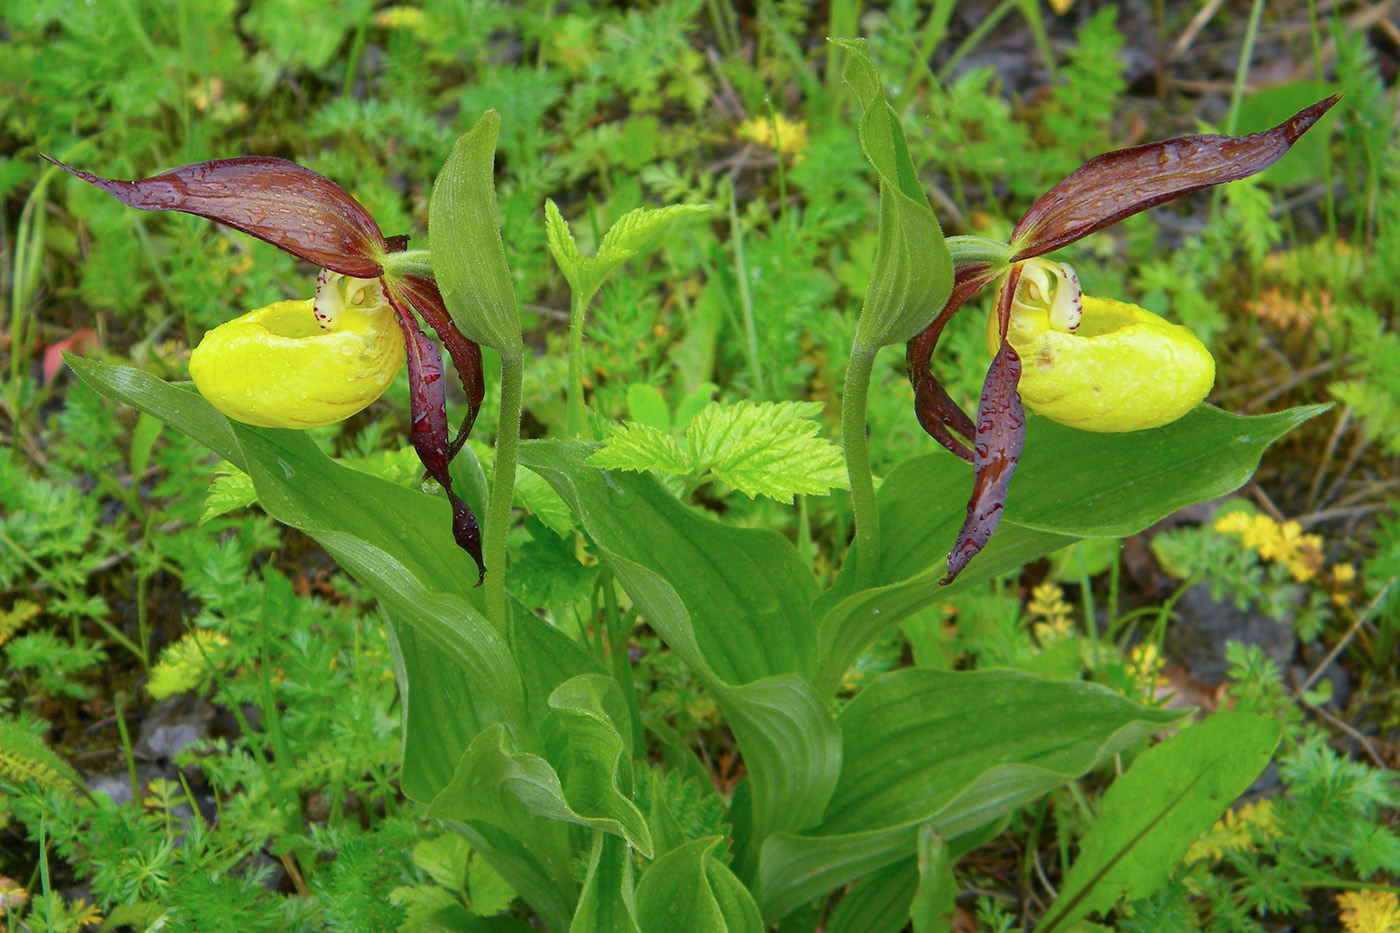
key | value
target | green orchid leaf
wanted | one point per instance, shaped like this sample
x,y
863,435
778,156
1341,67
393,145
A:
x,y
913,270
608,902
687,889
497,784
517,858
1069,484
442,712
469,260
732,603
768,449
908,762
1150,816
393,540
746,591
646,405
936,898
879,902
586,746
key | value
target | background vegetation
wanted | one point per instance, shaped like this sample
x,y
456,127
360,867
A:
x,y
219,697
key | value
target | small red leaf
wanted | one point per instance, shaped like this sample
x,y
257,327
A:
x,y
79,342
1118,184
289,206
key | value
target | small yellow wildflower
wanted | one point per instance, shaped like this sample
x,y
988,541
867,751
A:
x,y
1342,574
1047,605
401,17
1146,663
1282,543
1369,912
791,138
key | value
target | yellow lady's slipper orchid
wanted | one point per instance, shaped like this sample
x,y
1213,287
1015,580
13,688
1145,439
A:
x,y
1097,364
296,365
1092,363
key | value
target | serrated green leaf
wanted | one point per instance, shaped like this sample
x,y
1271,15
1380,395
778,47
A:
x,y
623,240
1150,816
229,492
634,228
25,757
640,447
768,449
547,572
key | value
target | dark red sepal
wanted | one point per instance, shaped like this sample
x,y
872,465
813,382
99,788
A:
x,y
289,206
1118,184
938,414
428,403
422,293
1001,433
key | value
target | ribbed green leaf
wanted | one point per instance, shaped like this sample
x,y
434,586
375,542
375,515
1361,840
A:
x,y
746,591
686,889
1069,484
732,603
396,541
909,760
1150,816
497,783
879,902
913,270
469,261
608,902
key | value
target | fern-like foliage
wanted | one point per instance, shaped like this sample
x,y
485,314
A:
x,y
24,757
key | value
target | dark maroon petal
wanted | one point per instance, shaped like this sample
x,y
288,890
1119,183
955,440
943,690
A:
x,y
936,411
1001,433
428,401
291,207
422,293
1118,184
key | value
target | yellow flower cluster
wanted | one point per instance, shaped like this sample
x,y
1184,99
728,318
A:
x,y
1047,605
1283,543
779,134
1237,831
1369,912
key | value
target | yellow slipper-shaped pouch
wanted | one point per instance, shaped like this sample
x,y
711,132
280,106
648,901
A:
x,y
286,366
1122,368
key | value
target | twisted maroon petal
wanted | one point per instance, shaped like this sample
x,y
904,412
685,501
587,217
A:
x,y
1118,184
938,414
428,401
422,293
1001,433
289,206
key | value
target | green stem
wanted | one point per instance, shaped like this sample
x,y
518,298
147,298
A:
x,y
745,299
1251,32
577,416
409,262
503,486
853,396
